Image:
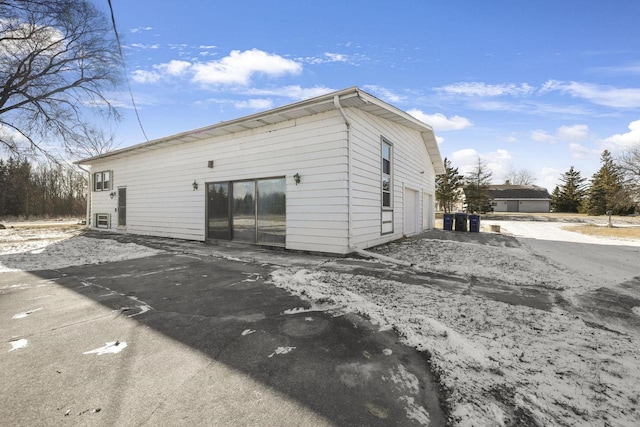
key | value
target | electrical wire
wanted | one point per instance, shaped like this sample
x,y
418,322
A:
x,y
124,66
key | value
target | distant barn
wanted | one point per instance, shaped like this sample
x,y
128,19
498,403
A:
x,y
519,198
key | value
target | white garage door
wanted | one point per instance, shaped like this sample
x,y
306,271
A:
x,y
410,212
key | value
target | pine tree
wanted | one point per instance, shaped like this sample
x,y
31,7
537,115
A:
x,y
448,187
476,190
555,199
571,192
607,191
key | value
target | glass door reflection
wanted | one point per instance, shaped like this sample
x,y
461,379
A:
x,y
218,211
244,211
271,211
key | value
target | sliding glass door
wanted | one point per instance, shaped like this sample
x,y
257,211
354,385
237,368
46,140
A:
x,y
271,211
218,211
244,211
251,211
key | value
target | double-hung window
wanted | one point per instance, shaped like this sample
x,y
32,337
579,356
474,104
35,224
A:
x,y
102,181
386,174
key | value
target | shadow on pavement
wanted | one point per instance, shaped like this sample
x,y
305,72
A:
x,y
340,367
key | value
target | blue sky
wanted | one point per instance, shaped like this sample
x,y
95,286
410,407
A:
x,y
538,85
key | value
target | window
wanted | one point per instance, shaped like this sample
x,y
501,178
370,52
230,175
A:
x,y
102,181
386,173
103,220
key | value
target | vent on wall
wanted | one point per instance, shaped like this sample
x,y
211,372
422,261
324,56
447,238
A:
x,y
103,221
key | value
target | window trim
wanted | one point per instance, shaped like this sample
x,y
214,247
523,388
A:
x,y
102,174
385,142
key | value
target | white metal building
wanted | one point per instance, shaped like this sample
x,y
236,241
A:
x,y
335,173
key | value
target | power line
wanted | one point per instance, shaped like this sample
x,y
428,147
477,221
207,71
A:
x,y
124,66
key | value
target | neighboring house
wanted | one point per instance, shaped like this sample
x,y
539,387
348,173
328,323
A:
x,y
519,198
335,173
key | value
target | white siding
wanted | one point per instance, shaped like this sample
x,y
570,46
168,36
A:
x,y
162,202
411,169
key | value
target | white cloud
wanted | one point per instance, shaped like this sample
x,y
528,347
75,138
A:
x,y
336,57
607,96
141,29
239,67
486,90
542,136
548,178
143,76
383,93
255,104
572,133
498,162
144,46
331,57
293,92
439,140
623,141
440,122
174,67
579,151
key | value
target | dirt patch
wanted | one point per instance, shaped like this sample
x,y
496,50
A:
x,y
630,232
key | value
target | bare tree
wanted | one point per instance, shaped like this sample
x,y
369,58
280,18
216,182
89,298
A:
x,y
629,162
58,58
522,177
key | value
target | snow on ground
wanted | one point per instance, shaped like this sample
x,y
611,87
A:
x,y
30,249
556,231
501,364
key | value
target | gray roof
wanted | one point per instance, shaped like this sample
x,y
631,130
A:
x,y
518,192
350,97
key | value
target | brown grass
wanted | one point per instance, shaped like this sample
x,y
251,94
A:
x,y
604,231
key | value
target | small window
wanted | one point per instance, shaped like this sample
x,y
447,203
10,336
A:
x,y
102,181
386,174
103,220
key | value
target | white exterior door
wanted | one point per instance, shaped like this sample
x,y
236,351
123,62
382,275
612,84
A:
x,y
427,211
410,212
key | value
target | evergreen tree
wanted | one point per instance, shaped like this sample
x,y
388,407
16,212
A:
x,y
448,186
571,192
476,190
555,199
607,191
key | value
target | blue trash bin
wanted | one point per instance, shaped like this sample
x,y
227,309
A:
x,y
447,221
474,223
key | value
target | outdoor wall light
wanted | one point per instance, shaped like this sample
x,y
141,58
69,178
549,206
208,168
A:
x,y
194,185
112,194
296,178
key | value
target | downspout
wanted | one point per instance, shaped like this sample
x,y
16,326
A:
x,y
336,103
88,214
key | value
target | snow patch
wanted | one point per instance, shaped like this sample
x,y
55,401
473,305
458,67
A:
x,y
109,348
18,344
282,350
25,313
49,250
387,352
247,332
416,412
636,311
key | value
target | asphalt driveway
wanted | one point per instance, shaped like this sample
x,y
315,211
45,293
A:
x,y
189,339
